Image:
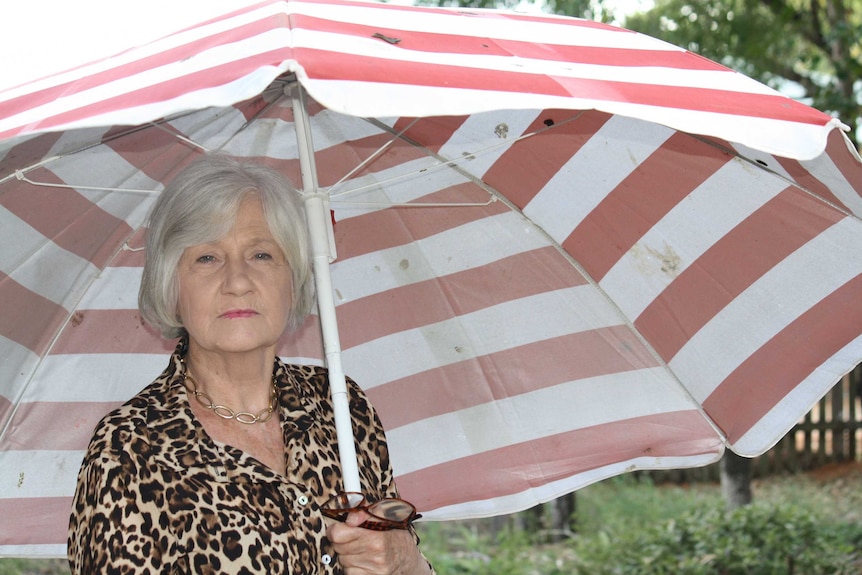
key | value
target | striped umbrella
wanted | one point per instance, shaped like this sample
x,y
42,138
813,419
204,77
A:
x,y
564,250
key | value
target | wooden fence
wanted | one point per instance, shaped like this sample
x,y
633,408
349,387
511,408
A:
x,y
830,433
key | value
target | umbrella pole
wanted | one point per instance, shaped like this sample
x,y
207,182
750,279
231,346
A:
x,y
322,252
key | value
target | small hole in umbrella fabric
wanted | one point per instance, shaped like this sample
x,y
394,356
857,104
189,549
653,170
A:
x,y
549,122
762,163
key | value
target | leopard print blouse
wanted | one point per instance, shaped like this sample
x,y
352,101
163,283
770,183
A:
x,y
157,495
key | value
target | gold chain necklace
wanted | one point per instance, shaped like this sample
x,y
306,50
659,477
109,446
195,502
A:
x,y
225,412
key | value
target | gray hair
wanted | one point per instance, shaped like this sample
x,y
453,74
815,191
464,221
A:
x,y
199,206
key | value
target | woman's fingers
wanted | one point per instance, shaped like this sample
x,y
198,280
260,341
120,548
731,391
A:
x,y
366,552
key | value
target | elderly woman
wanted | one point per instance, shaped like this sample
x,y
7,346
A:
x,y
227,462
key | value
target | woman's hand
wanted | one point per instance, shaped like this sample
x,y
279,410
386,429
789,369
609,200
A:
x,y
366,552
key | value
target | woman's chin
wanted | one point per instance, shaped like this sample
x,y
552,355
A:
x,y
238,343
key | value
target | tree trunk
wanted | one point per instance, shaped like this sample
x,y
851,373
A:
x,y
563,517
735,480
529,520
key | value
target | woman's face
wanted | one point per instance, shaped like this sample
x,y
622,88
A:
x,y
235,293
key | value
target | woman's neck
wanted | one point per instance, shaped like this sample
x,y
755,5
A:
x,y
243,381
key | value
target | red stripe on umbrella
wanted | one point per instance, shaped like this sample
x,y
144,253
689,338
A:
x,y
593,353
536,463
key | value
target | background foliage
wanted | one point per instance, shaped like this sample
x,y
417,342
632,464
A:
x,y
806,524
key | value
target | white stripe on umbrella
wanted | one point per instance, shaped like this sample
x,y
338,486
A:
x,y
23,270
38,473
114,376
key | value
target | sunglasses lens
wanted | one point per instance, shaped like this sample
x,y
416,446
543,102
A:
x,y
392,510
386,514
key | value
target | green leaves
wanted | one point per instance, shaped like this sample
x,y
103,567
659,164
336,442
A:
x,y
629,526
758,539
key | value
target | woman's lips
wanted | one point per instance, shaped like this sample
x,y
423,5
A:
x,y
238,313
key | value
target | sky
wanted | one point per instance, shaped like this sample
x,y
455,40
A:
x,y
621,8
76,32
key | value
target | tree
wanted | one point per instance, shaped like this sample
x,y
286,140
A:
x,y
813,45
735,480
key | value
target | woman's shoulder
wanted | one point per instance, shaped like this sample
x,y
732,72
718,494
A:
x,y
128,424
315,378
304,371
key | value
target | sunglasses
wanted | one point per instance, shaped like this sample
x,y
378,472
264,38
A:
x,y
385,514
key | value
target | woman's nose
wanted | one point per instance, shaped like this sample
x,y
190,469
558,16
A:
x,y
236,278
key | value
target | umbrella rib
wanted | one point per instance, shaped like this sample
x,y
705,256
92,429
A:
x,y
490,201
257,115
369,159
20,176
180,137
761,165
442,162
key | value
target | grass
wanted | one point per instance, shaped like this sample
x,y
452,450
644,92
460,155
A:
x,y
16,566
805,524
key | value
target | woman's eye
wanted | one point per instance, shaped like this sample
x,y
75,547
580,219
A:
x,y
262,256
205,259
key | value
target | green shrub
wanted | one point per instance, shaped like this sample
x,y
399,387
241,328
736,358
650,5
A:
x,y
624,503
473,549
758,539
627,526
33,566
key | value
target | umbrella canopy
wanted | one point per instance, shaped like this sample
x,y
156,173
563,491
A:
x,y
616,255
